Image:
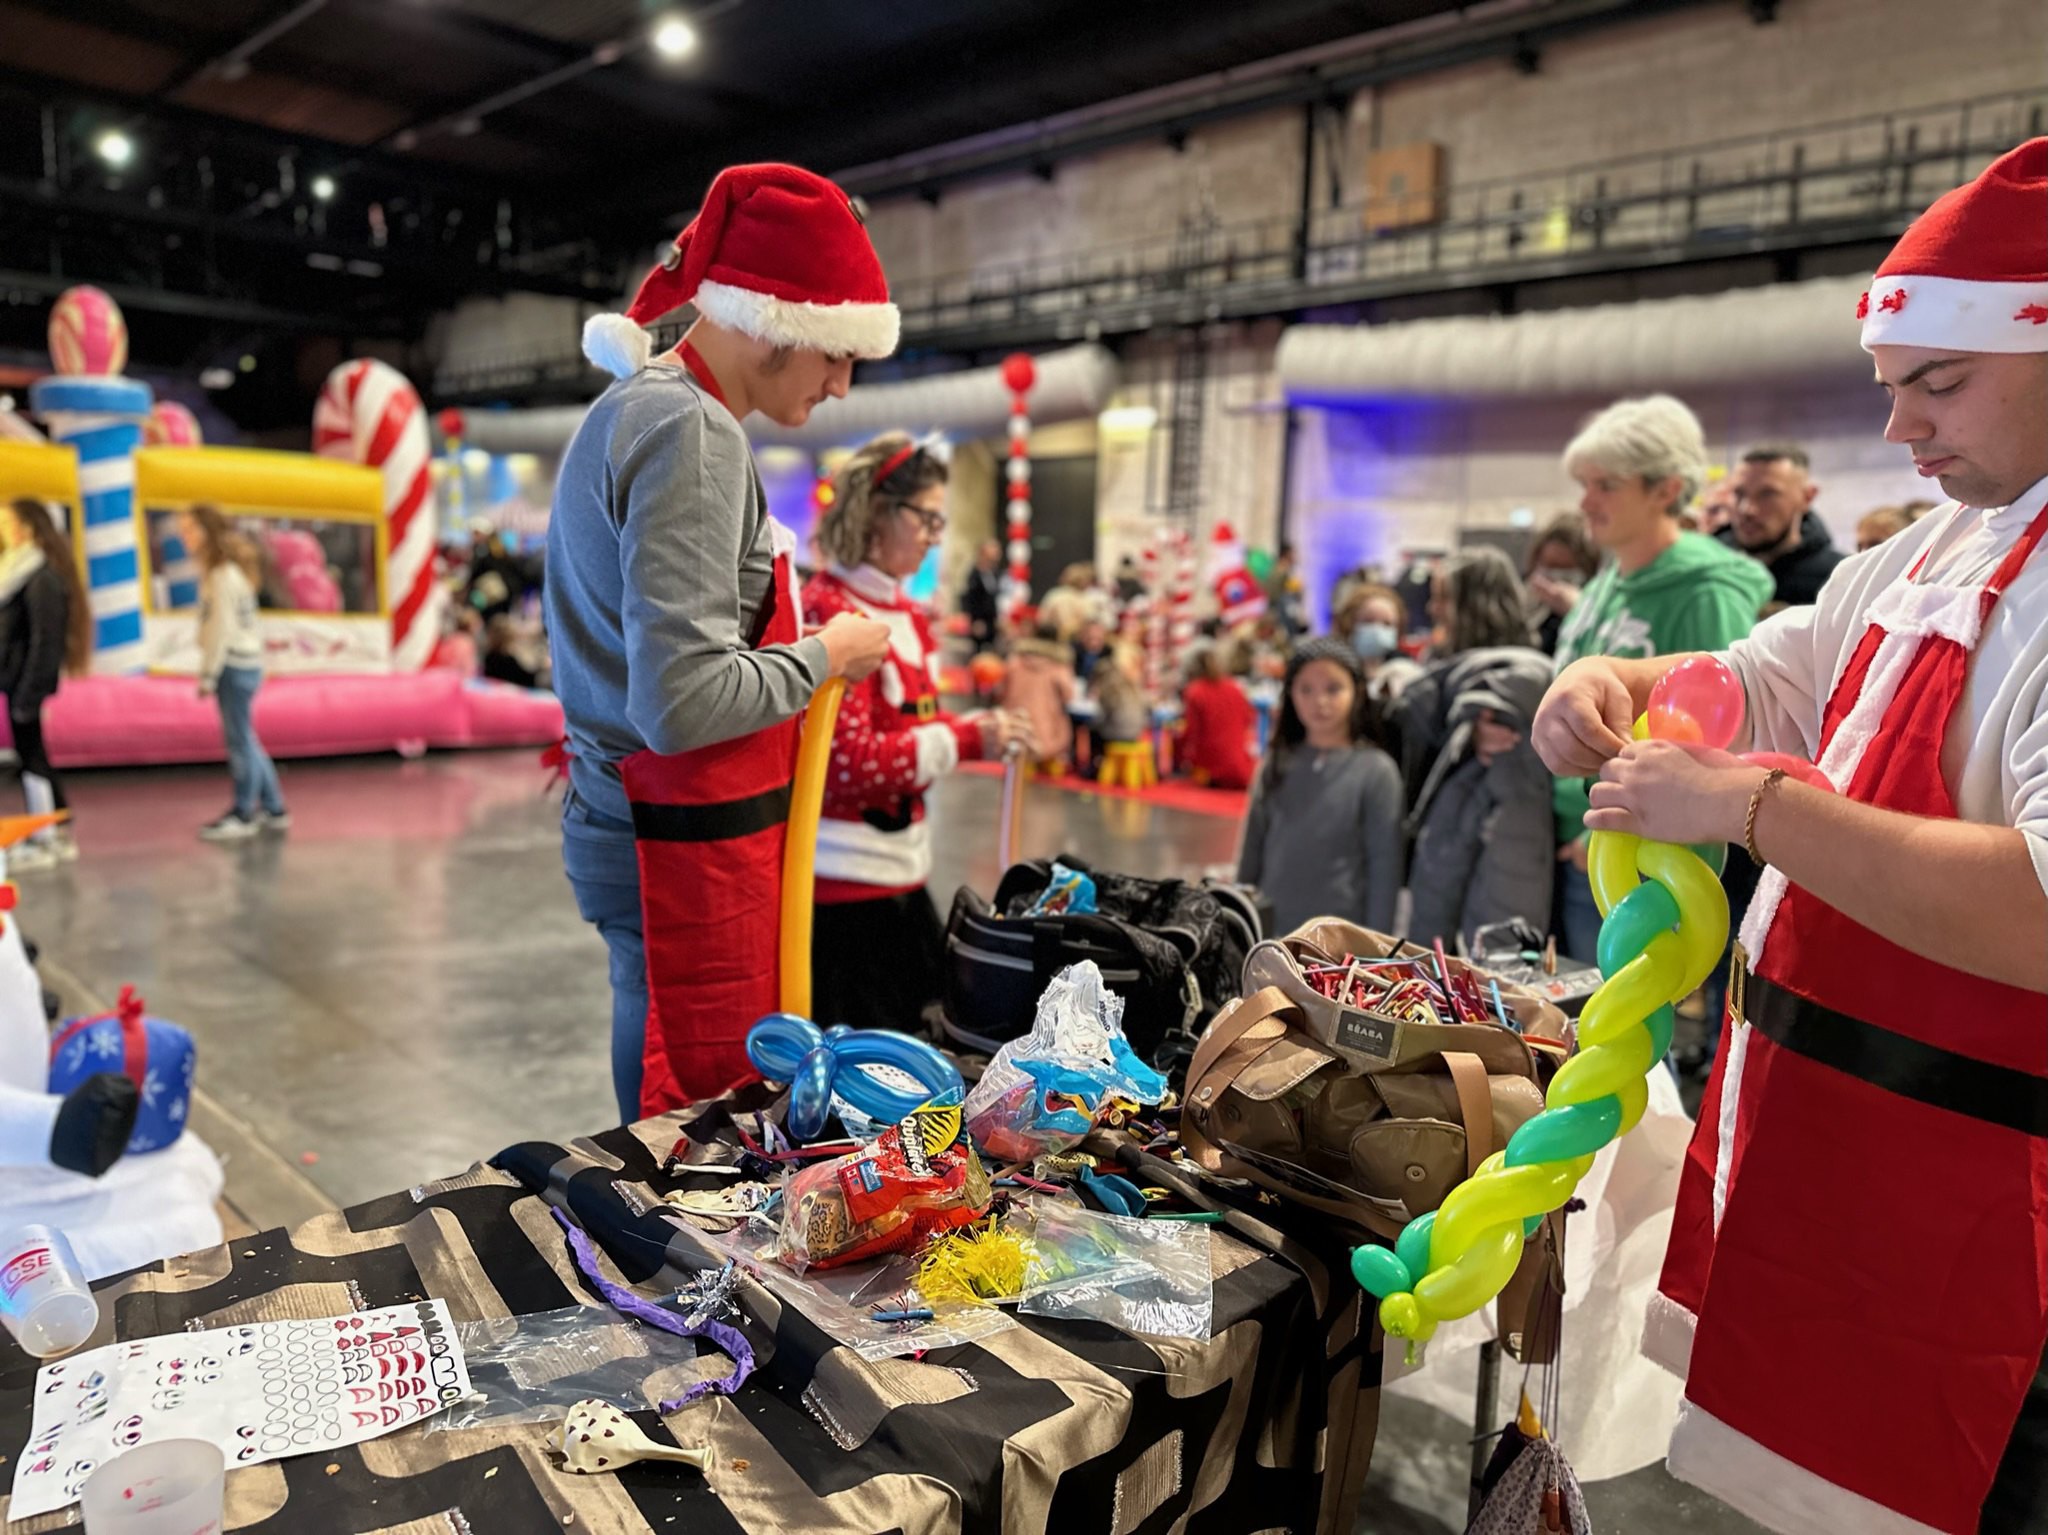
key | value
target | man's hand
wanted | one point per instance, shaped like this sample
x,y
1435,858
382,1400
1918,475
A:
x,y
1574,853
854,646
1585,719
1491,739
1672,793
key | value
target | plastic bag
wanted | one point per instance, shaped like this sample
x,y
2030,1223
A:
x,y
1044,1091
1140,1276
919,1177
530,1369
842,1301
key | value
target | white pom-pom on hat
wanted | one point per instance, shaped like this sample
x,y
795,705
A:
x,y
616,344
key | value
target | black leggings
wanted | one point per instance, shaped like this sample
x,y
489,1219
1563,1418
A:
x,y
35,763
877,964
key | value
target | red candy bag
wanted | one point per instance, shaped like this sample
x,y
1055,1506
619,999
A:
x,y
919,1177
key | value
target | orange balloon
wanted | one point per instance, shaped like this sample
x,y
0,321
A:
x,y
1668,722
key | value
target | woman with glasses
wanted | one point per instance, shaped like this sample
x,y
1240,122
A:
x,y
877,946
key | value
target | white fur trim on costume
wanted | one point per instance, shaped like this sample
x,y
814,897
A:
x,y
1956,314
1769,1488
1724,1126
616,344
1667,1334
844,330
861,854
938,752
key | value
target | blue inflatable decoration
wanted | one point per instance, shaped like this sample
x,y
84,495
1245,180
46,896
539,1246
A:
x,y
154,1053
786,1048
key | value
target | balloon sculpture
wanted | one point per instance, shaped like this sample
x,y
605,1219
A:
x,y
786,1048
1666,920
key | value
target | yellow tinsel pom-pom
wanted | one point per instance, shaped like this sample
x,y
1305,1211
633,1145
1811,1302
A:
x,y
975,1265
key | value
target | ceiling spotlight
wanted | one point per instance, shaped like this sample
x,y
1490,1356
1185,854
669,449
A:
x,y
674,38
247,364
215,378
114,147
323,188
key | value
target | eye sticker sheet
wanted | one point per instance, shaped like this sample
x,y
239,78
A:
x,y
259,1392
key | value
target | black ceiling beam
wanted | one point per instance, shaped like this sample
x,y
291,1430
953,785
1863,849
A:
x,y
929,173
232,62
139,297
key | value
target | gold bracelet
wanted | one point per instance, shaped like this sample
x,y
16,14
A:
x,y
1756,801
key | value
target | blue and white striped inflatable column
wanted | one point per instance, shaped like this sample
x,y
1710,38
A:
x,y
102,418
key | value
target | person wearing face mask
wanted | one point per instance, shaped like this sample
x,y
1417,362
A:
x,y
672,616
1562,560
1372,618
1856,1288
877,947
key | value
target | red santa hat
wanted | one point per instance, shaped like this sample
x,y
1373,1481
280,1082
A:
x,y
1971,275
777,253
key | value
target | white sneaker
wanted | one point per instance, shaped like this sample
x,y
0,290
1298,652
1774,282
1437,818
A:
x,y
281,821
29,857
64,845
231,827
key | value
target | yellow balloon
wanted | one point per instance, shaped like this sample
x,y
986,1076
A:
x,y
1702,909
800,848
1444,1294
1633,992
1507,1196
1641,729
1635,1101
1611,866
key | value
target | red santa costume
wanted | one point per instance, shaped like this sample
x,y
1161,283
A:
x,y
1857,1283
876,944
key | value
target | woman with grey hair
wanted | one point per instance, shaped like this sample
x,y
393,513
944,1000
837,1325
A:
x,y
1639,463
1476,602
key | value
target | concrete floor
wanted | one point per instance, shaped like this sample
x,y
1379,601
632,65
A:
x,y
401,986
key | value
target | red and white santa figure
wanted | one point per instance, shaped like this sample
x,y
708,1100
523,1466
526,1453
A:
x,y
1857,1283
877,946
1240,599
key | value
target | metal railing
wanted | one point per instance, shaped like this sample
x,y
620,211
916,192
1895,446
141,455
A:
x,y
1847,180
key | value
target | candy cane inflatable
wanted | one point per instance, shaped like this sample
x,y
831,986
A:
x,y
369,414
89,406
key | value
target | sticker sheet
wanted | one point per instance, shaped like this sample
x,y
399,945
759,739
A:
x,y
259,1392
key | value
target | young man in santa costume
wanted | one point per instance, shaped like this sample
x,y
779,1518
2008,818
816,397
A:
x,y
679,652
1858,1270
877,949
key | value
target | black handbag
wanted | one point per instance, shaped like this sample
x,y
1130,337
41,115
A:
x,y
1172,949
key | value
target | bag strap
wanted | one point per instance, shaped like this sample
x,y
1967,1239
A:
x,y
1206,1081
1475,1105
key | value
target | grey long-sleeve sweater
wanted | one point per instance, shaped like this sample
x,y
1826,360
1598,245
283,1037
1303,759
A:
x,y
1328,842
659,557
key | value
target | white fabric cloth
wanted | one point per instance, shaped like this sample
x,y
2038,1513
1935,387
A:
x,y
1995,757
1617,1406
143,1208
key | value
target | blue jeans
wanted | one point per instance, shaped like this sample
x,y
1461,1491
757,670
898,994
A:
x,y
604,871
1578,917
255,775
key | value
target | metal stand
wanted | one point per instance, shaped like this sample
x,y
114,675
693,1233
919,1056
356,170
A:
x,y
1485,1407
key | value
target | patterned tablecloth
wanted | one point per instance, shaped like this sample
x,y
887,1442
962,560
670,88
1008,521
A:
x,y
1054,1425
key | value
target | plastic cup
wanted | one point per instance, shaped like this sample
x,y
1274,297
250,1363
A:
x,y
44,1299
173,1487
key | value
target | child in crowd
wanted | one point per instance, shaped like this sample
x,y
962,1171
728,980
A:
x,y
1091,645
1217,723
231,669
1323,836
1039,685
45,631
1120,696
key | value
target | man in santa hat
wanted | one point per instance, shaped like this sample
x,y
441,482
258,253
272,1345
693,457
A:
x,y
1857,1283
677,638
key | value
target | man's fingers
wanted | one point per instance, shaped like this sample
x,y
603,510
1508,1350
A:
x,y
1612,819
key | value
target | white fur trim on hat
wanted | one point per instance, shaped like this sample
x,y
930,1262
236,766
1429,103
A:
x,y
616,344
1955,314
845,330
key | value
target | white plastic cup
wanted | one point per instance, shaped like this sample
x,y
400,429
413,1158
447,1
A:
x,y
44,1299
172,1487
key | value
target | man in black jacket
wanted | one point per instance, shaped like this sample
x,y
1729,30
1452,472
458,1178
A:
x,y
981,602
1775,522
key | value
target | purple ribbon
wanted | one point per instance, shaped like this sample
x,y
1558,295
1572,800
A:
x,y
726,1339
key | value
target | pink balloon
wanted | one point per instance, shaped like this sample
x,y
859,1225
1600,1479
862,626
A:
x,y
1698,701
1795,767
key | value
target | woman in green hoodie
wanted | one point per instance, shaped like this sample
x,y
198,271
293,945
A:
x,y
1638,464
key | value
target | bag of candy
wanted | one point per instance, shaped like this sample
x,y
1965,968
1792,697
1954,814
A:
x,y
1045,1091
920,1176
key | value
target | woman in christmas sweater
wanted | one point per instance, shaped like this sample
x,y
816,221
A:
x,y
877,945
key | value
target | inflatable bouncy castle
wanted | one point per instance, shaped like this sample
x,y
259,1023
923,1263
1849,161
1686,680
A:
x,y
351,607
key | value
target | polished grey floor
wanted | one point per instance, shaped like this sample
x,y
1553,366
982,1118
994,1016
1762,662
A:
x,y
401,986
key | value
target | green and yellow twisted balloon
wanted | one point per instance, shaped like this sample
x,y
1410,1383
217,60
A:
x,y
1666,921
